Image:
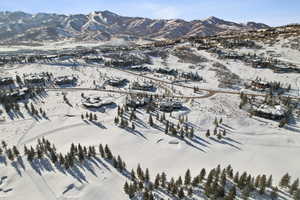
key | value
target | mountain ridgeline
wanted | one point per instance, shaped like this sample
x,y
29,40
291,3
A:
x,y
20,26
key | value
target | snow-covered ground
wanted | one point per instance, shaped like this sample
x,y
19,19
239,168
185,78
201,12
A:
x,y
252,144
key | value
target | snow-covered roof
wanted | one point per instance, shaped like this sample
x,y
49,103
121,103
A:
x,y
274,110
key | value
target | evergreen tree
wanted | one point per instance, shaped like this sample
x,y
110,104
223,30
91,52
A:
x,y
202,175
147,176
179,181
208,133
151,120
133,177
215,131
126,188
236,177
262,186
101,151
219,136
187,178
270,181
163,179
285,181
108,153
10,154
294,186
16,151
156,182
257,181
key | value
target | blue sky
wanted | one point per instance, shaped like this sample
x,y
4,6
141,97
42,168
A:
x,y
272,12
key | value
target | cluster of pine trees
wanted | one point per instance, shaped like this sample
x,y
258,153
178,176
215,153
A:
x,y
220,133
122,118
76,154
35,111
89,116
10,98
218,183
10,152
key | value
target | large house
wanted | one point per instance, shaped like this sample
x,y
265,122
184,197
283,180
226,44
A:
x,y
170,106
277,112
95,102
118,82
35,78
65,80
144,86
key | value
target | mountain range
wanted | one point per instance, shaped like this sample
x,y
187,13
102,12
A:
x,y
104,25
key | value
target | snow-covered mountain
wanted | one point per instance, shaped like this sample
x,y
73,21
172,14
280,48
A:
x,y
20,26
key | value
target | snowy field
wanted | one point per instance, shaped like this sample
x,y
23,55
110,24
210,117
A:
x,y
252,144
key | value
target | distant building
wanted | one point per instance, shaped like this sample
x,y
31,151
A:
x,y
116,82
95,102
144,86
277,112
65,80
167,71
137,102
169,106
35,78
258,84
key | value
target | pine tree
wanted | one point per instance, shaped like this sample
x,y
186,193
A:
x,y
140,173
257,181
236,177
147,176
262,186
179,181
101,151
216,123
219,136
187,178
163,179
126,188
221,121
16,151
208,133
202,175
285,181
108,153
151,120
156,182
270,181
223,179
10,155
294,186
132,175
